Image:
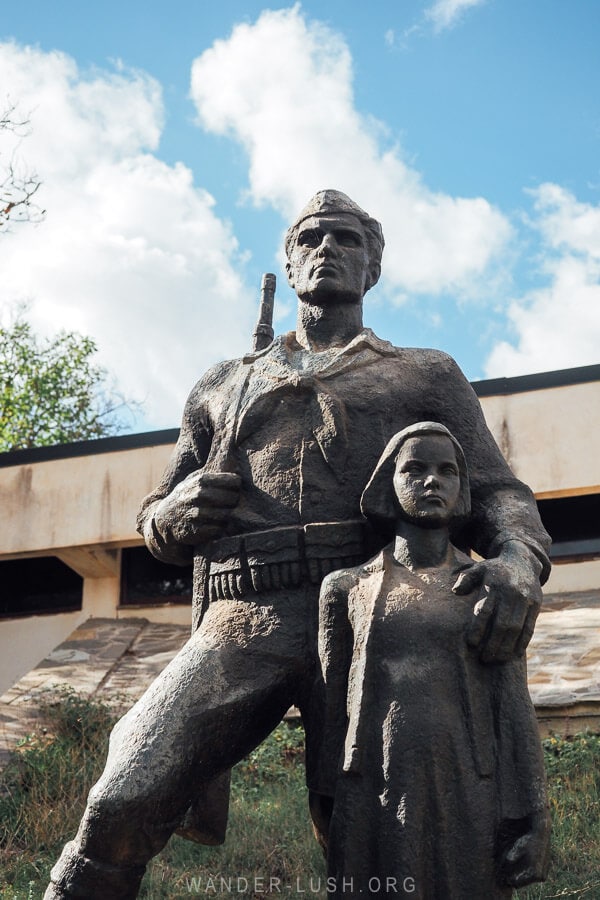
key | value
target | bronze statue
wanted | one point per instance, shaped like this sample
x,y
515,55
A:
x,y
262,494
432,756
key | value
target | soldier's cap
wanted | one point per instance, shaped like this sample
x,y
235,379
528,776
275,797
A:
x,y
331,201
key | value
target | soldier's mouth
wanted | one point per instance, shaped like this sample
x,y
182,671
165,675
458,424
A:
x,y
324,269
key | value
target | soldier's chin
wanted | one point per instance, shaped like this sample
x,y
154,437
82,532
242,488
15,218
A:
x,y
327,293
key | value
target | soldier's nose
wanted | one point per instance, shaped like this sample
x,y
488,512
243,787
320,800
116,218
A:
x,y
328,245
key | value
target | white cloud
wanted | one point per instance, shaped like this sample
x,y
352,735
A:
x,y
446,13
282,87
130,252
565,223
557,326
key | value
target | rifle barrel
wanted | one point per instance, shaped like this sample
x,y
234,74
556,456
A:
x,y
263,333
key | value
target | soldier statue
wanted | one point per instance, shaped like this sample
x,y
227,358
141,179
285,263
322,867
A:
x,y
262,495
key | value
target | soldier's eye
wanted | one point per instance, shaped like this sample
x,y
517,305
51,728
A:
x,y
309,238
348,238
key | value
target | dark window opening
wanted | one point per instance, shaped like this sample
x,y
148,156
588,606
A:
x,y
573,523
40,584
146,581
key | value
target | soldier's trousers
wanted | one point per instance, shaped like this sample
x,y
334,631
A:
x,y
218,698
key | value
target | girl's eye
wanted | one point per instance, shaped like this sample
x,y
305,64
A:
x,y
413,469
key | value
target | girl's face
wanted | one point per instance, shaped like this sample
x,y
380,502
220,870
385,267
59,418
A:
x,y
427,480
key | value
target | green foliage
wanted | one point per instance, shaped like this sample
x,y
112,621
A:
x,y
43,791
272,760
45,784
51,391
76,721
573,769
269,836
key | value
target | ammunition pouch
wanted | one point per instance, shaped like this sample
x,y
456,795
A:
x,y
283,558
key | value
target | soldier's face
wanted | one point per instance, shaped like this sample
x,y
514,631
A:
x,y
329,260
427,480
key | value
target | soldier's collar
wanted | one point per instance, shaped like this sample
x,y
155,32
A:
x,y
365,338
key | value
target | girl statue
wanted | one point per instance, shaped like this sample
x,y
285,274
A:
x,y
432,757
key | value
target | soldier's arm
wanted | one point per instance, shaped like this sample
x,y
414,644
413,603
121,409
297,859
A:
x,y
191,504
503,508
505,528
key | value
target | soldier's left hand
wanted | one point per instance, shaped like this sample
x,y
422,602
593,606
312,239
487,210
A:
x,y
508,602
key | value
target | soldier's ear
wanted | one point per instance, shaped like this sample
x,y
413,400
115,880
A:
x,y
290,274
373,275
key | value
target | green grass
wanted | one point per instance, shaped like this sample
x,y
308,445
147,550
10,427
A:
x,y
43,792
573,770
269,836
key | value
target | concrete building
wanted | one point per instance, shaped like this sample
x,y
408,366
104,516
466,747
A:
x,y
69,550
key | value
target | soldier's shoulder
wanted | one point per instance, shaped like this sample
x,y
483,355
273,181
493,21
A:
x,y
425,356
231,369
216,378
426,361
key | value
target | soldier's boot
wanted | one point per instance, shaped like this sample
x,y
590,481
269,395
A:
x,y
74,877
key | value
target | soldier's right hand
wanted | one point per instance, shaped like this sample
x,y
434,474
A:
x,y
197,509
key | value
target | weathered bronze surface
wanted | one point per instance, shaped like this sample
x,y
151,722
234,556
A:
x,y
432,756
262,494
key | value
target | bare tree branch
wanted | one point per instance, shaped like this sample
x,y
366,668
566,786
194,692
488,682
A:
x,y
17,187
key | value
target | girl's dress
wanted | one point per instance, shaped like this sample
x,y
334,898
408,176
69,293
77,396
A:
x,y
441,762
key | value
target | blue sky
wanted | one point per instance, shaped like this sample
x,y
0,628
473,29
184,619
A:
x,y
175,142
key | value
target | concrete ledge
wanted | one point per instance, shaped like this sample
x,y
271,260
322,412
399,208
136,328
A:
x,y
566,721
112,659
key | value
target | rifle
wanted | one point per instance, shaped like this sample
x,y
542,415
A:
x,y
206,818
221,456
263,333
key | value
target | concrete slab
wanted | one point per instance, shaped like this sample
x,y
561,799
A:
x,y
564,655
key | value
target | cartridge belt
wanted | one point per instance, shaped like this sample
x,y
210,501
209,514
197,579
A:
x,y
283,557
